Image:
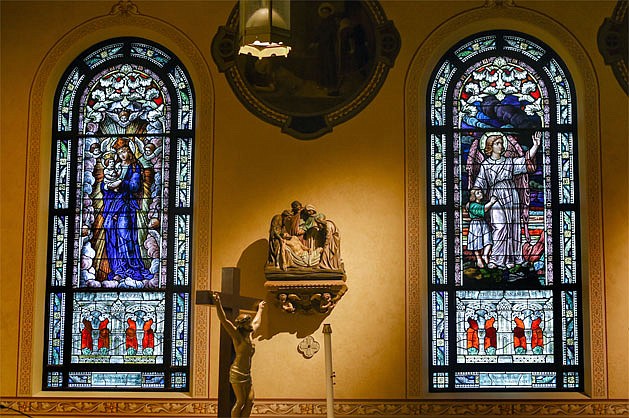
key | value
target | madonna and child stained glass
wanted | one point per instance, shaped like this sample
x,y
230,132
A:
x,y
503,219
119,246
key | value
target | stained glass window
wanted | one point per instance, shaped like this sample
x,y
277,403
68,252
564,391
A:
x,y
118,277
503,217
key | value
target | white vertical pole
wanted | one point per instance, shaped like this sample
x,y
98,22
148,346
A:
x,y
329,395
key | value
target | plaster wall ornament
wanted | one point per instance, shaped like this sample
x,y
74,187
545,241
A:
x,y
124,7
308,347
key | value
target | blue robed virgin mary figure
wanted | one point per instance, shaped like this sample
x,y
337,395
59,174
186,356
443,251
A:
x,y
120,218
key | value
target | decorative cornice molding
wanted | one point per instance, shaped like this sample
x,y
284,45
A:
x,y
588,98
124,13
122,407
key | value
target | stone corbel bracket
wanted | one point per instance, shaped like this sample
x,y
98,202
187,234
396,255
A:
x,y
306,292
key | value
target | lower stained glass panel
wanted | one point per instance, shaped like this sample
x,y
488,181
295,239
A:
x,y
571,380
54,380
123,328
179,380
126,380
505,380
504,326
440,380
569,315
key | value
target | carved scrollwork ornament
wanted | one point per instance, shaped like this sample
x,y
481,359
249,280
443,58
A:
x,y
124,7
204,408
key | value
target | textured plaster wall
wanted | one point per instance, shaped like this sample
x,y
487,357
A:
x,y
354,175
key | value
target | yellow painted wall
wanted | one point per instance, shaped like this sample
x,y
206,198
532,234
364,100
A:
x,y
355,175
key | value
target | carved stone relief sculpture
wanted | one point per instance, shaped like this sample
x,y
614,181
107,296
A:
x,y
304,269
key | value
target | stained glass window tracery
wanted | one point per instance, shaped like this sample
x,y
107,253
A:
x,y
118,304
503,278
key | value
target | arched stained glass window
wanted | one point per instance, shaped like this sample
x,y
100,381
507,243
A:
x,y
118,285
504,279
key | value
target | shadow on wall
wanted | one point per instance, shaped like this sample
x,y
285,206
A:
x,y
275,320
251,266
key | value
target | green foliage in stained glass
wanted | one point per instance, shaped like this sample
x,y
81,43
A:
x,y
475,47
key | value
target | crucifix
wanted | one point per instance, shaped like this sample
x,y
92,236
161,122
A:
x,y
232,303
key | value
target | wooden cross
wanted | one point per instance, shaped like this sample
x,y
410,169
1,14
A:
x,y
232,304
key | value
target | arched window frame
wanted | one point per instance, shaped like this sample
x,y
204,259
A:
x,y
63,366
445,373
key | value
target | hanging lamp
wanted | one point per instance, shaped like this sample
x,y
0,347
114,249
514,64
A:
x,y
264,28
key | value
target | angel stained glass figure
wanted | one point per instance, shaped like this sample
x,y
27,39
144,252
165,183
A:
x,y
497,178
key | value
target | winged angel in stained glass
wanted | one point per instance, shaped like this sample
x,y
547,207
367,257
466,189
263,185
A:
x,y
123,189
498,104
497,176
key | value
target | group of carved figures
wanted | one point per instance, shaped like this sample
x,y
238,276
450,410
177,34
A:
x,y
490,340
321,302
303,238
131,339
